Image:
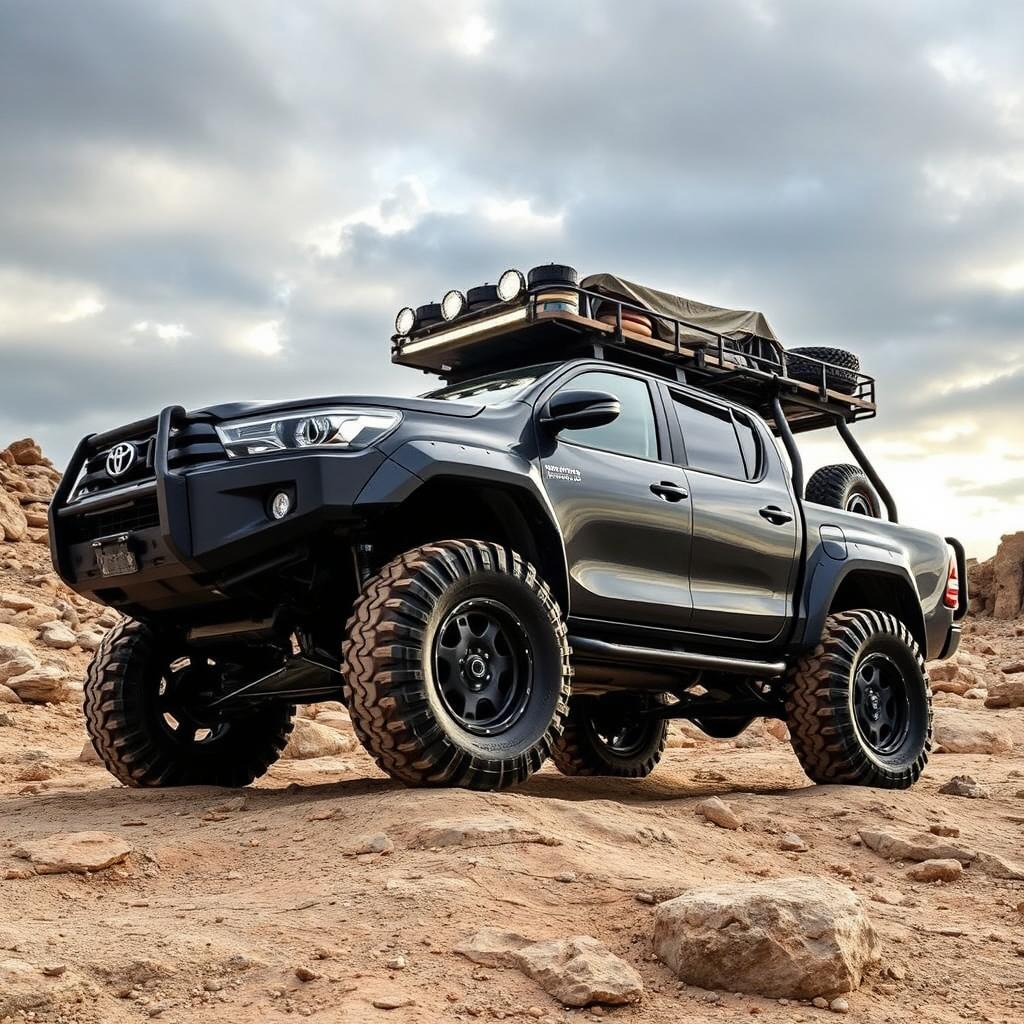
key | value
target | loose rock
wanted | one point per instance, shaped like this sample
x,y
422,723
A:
x,y
719,812
794,938
310,739
75,852
969,732
577,971
915,848
965,785
936,871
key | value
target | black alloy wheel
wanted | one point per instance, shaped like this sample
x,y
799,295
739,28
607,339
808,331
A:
x,y
457,667
146,712
859,705
881,704
614,735
483,666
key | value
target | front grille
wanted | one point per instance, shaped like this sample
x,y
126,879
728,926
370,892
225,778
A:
x,y
190,445
141,514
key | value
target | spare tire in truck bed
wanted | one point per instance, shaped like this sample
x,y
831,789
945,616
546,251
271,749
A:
x,y
841,373
846,487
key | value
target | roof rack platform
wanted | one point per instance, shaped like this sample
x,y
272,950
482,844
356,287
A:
x,y
746,370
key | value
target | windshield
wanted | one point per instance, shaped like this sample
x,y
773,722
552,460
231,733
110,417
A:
x,y
493,390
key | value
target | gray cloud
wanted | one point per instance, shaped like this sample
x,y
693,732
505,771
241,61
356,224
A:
x,y
855,171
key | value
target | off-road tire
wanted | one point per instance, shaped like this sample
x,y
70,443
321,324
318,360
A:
x,y
131,740
580,750
844,486
840,375
394,701
820,698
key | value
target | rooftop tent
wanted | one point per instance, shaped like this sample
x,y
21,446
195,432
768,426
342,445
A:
x,y
735,324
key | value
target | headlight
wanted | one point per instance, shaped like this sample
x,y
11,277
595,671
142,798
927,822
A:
x,y
453,303
347,429
405,321
511,284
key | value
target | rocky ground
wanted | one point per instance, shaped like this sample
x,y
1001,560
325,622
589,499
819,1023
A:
x,y
327,891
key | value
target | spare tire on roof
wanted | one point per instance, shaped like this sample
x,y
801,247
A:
x,y
553,273
428,314
841,373
481,296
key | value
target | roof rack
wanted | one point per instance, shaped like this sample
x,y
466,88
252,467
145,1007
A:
x,y
752,371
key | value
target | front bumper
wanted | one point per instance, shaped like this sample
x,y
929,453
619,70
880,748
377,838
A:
x,y
200,532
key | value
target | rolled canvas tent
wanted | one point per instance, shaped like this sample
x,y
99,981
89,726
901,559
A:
x,y
735,324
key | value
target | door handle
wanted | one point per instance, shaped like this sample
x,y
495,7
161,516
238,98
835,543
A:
x,y
669,491
775,515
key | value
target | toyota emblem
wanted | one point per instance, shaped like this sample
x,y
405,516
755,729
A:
x,y
120,459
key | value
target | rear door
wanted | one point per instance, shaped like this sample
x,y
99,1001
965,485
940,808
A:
x,y
622,506
745,529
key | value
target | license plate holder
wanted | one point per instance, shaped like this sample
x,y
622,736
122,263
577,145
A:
x,y
115,557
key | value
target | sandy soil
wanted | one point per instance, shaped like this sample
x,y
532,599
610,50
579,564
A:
x,y
212,915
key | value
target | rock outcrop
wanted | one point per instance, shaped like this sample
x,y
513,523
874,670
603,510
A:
x,y
794,938
997,586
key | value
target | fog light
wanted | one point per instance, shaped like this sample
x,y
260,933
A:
x,y
280,505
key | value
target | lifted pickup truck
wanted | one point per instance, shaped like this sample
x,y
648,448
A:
x,y
590,530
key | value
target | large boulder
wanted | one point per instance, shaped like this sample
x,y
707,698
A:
x,y
1008,577
969,732
792,938
577,971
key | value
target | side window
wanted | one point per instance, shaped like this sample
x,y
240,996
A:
x,y
633,432
710,438
750,445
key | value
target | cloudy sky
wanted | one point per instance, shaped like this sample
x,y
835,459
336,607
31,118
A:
x,y
211,201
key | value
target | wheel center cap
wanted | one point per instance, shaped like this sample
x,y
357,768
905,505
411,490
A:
x,y
476,667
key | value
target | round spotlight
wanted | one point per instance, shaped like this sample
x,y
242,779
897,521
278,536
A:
x,y
280,505
405,321
453,303
511,285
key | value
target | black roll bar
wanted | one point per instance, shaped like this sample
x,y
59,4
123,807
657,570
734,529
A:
x,y
869,470
786,433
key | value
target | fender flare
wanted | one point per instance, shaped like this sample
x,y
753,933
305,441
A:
x,y
827,575
417,463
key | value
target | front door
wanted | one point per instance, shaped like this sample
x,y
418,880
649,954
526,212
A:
x,y
624,513
745,528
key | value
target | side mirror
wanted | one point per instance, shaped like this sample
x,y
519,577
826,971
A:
x,y
577,410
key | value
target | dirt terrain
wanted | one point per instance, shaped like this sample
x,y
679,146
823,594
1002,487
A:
x,y
326,891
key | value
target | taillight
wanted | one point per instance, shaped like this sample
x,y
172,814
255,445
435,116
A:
x,y
951,599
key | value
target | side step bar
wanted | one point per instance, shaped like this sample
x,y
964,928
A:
x,y
603,651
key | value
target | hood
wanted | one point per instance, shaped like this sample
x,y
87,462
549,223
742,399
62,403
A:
x,y
244,410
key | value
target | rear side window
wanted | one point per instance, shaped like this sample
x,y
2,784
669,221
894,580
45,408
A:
x,y
749,445
633,432
714,442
